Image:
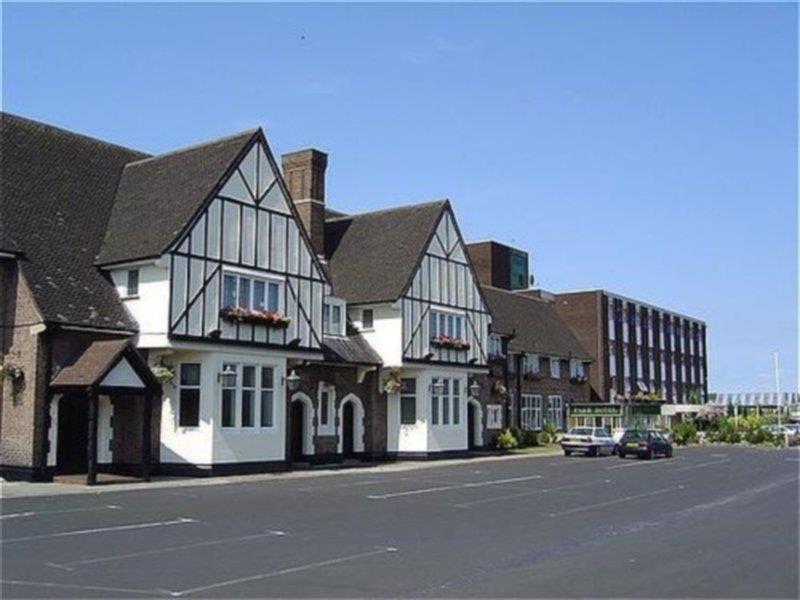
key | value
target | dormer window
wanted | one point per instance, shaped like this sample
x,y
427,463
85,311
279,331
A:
x,y
132,284
495,347
333,316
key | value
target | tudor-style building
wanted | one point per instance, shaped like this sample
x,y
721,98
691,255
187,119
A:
x,y
412,293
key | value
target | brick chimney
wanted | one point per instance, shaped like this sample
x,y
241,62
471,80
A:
x,y
304,172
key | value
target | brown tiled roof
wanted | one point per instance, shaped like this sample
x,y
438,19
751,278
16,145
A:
x,y
535,324
372,256
351,349
159,195
56,194
92,365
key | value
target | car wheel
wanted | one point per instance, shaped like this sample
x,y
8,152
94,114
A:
x,y
649,455
567,452
621,454
668,453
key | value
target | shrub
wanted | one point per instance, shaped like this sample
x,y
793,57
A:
x,y
506,440
684,433
527,438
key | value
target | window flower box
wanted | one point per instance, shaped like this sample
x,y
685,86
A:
x,y
443,341
393,382
577,379
270,318
499,389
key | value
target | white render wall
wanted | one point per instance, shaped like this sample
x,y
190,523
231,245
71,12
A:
x,y
387,334
424,436
209,443
150,308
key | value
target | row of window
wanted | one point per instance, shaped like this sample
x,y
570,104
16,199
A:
x,y
531,410
248,395
445,401
532,365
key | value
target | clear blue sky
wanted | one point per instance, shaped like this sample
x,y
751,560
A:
x,y
647,149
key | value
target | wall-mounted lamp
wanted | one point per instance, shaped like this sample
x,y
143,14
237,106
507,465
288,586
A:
x,y
227,376
475,389
292,381
437,387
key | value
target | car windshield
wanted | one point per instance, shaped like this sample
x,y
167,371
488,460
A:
x,y
633,436
600,432
580,431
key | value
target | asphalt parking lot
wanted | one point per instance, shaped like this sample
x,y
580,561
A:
x,y
711,522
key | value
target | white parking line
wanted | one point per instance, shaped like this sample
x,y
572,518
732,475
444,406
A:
x,y
615,501
47,536
445,488
324,563
36,513
523,494
72,586
70,566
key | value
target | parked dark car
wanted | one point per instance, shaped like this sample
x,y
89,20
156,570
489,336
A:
x,y
644,444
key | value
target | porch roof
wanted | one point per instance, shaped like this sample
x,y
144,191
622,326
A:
x,y
108,364
352,349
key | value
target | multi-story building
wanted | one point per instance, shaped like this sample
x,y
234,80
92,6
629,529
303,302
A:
x,y
638,349
536,361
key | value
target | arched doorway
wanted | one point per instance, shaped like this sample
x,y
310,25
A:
x,y
73,435
351,426
474,425
300,427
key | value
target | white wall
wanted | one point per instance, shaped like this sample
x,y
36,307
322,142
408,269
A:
x,y
52,434
210,443
386,337
105,414
151,307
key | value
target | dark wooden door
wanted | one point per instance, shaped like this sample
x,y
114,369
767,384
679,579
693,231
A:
x,y
470,426
73,435
297,430
347,429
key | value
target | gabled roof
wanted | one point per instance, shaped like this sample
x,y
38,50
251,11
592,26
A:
x,y
96,362
56,195
158,196
535,325
372,256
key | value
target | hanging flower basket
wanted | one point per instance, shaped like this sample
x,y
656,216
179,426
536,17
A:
x,y
499,389
449,343
11,372
270,318
393,383
164,373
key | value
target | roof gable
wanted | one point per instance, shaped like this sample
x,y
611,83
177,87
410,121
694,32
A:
x,y
157,197
373,256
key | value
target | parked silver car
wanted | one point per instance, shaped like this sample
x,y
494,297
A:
x,y
591,441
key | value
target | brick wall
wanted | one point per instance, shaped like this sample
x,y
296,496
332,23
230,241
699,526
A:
x,y
23,415
583,313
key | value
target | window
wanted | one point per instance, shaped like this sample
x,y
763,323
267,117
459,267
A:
x,y
229,395
495,346
555,411
494,416
408,401
531,411
333,317
446,402
267,395
576,368
555,368
446,325
132,287
530,364
247,292
324,407
248,396
367,318
189,395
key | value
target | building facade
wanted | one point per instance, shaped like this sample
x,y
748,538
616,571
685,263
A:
x,y
639,350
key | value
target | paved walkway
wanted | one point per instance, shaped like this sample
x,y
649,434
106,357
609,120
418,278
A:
x,y
75,485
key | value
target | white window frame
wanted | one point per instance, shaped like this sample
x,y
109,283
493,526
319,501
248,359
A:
x,y
327,313
199,387
531,364
555,410
555,373
261,278
412,395
128,274
364,326
453,411
495,345
328,427
238,397
530,412
494,416
576,368
459,318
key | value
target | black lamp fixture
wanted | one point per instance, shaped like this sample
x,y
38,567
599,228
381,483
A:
x,y
227,376
437,386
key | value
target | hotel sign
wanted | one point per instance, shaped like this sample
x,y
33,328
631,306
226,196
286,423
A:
x,y
595,410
